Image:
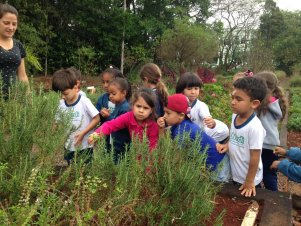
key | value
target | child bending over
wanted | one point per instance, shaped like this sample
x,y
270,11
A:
x,y
84,116
176,117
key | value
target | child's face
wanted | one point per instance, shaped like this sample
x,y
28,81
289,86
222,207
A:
x,y
192,93
141,110
70,95
242,104
105,80
115,94
172,118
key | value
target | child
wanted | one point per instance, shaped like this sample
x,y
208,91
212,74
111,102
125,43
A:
x,y
84,116
141,119
290,169
270,112
119,92
78,76
104,105
150,74
176,117
246,134
190,85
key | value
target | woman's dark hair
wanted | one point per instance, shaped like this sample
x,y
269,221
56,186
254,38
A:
x,y
148,96
188,80
6,8
124,85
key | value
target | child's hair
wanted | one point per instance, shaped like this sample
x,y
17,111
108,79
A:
x,y
153,74
238,75
255,88
7,8
148,96
123,85
77,73
188,80
63,79
114,72
273,90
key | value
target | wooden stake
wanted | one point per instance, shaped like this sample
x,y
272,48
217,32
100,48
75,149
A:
x,y
251,214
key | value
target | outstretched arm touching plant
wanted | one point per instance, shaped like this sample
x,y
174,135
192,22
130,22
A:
x,y
79,136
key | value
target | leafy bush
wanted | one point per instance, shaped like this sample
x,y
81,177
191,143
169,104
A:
x,y
295,81
170,186
217,97
294,121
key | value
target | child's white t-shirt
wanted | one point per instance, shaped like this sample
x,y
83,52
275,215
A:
x,y
247,136
81,112
199,112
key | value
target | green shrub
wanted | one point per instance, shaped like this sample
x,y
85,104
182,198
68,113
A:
x,y
294,120
170,186
295,81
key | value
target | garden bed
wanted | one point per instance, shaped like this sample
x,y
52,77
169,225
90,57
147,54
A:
x,y
275,208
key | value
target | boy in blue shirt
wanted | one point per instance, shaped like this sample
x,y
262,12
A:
x,y
176,117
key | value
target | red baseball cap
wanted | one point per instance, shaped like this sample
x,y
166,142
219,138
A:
x,y
178,102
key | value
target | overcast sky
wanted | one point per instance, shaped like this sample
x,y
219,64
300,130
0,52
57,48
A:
x,y
289,5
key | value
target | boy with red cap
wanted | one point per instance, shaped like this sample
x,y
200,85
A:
x,y
176,116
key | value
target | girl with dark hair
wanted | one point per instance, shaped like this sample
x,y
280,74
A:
x,y
150,75
141,119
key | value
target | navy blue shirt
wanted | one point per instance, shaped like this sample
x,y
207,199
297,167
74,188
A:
x,y
122,137
194,131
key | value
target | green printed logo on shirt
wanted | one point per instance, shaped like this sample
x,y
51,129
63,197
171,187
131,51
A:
x,y
237,140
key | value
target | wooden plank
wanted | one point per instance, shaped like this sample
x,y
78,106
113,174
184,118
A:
x,y
251,214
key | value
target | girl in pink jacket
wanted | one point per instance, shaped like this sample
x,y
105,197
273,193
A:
x,y
141,119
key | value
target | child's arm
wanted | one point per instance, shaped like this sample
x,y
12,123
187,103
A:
x,y
289,169
248,187
79,136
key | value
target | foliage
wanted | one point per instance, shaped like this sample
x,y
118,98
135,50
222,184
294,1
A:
x,y
295,81
169,186
187,44
217,96
294,121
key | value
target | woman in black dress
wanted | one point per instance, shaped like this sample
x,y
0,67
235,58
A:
x,y
12,52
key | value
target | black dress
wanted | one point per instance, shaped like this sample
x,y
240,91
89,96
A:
x,y
10,60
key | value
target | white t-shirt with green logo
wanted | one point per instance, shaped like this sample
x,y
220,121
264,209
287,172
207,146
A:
x,y
243,138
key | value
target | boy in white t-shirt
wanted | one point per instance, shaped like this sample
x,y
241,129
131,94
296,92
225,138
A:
x,y
246,134
84,116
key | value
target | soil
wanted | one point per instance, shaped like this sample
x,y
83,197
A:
x,y
235,209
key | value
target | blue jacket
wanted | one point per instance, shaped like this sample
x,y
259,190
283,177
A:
x,y
186,126
291,169
122,137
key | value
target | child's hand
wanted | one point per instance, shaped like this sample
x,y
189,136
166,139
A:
x,y
93,138
79,138
104,112
248,189
274,165
209,122
222,148
161,122
280,151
